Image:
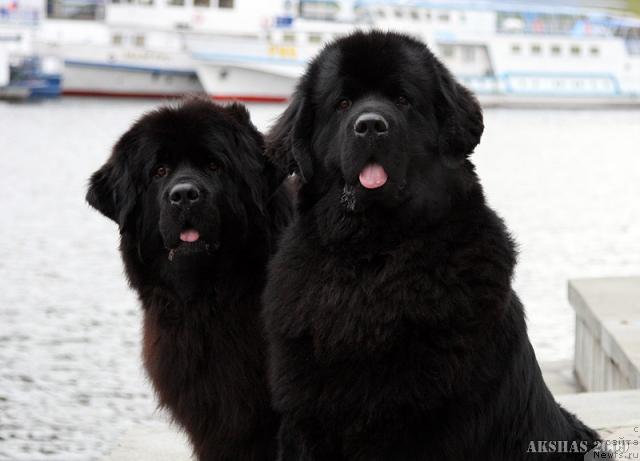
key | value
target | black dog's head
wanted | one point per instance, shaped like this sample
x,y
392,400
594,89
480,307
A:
x,y
379,118
185,181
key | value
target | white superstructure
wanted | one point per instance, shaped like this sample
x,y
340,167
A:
x,y
516,52
508,53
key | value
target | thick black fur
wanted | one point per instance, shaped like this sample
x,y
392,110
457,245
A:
x,y
394,331
204,348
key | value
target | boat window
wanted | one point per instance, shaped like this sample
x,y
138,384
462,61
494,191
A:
x,y
116,39
288,37
145,2
443,17
225,3
414,15
575,50
447,50
516,49
468,54
202,3
175,2
556,50
315,38
595,51
139,40
536,49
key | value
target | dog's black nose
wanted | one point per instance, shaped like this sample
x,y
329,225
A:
x,y
371,123
184,193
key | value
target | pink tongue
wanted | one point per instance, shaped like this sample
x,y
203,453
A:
x,y
373,176
189,235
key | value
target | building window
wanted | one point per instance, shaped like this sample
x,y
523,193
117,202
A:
x,y
145,2
414,15
515,49
139,40
536,49
225,4
116,39
427,15
595,51
443,17
398,12
556,50
381,14
202,3
288,38
463,17
175,2
575,50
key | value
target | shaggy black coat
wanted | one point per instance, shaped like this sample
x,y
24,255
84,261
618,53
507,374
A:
x,y
394,331
203,345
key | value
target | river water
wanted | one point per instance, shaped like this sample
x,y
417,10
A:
x,y
566,182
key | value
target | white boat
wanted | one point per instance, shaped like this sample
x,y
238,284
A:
x,y
107,59
508,53
516,53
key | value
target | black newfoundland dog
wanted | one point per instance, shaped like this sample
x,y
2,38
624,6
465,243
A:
x,y
394,331
198,208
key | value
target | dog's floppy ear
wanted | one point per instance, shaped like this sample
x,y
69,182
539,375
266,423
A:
x,y
460,118
287,143
111,190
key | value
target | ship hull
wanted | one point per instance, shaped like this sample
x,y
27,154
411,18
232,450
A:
x,y
82,78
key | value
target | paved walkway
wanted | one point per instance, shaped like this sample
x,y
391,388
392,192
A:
x,y
614,414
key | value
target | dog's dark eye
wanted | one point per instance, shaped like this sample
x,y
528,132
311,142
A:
x,y
402,101
344,104
160,172
213,166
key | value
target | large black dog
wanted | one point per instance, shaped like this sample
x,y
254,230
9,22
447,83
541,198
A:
x,y
198,208
394,331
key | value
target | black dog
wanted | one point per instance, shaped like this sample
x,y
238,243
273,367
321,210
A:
x,y
199,207
394,332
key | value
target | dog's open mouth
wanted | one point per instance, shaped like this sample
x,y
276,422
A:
x,y
189,236
373,176
190,243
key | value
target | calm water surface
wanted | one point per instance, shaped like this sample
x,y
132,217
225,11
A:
x,y
566,182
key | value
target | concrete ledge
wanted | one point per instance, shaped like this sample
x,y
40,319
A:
x,y
604,410
607,349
